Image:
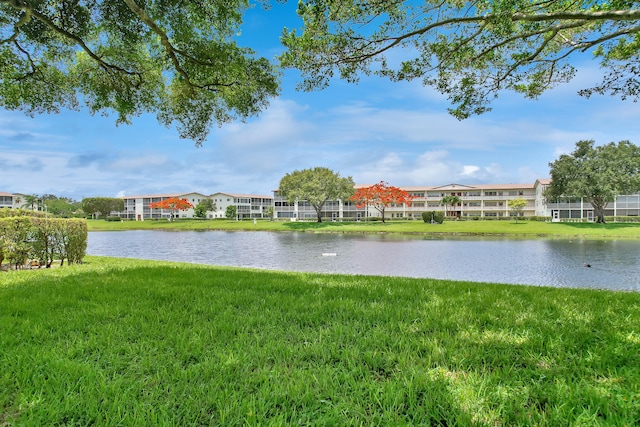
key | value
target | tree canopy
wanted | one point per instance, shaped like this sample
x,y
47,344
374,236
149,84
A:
x,y
177,59
450,200
598,173
316,186
173,205
102,205
231,212
517,206
204,206
467,50
380,196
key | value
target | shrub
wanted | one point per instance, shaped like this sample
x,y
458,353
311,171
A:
x,y
433,216
113,218
622,218
10,213
43,239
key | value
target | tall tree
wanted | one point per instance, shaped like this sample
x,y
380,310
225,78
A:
x,y
173,205
317,186
380,196
596,173
102,205
467,50
178,60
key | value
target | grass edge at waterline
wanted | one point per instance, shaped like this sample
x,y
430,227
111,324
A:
x,y
130,342
527,229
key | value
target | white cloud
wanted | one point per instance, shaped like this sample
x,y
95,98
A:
x,y
469,170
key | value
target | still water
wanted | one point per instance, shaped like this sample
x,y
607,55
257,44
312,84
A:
x,y
559,263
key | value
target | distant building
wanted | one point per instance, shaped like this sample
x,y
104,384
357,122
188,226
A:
x,y
302,210
14,201
486,200
247,206
476,201
566,208
6,200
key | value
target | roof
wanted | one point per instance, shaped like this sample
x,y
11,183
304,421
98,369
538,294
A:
x,y
463,187
149,196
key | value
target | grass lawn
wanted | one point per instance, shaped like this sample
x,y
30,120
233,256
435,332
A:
x,y
502,228
139,343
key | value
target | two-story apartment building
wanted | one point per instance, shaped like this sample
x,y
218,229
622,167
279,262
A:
x,y
6,200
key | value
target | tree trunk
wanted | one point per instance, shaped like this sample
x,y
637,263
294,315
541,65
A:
x,y
599,204
599,213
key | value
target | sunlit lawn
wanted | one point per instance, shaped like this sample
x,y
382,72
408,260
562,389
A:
x,y
139,343
522,228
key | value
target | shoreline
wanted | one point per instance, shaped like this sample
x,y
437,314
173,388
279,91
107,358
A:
x,y
503,229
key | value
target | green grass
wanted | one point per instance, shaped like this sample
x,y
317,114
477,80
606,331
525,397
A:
x,y
498,228
133,343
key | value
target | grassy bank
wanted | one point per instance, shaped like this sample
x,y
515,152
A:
x,y
498,228
127,342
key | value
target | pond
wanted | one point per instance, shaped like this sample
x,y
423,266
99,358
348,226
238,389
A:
x,y
615,264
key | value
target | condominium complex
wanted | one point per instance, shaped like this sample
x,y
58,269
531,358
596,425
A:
x,y
247,205
474,201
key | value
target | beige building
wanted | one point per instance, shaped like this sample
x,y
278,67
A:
x,y
137,207
475,201
247,205
486,200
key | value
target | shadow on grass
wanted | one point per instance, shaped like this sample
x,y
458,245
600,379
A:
x,y
206,345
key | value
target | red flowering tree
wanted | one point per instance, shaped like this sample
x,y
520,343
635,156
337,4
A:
x,y
172,204
380,196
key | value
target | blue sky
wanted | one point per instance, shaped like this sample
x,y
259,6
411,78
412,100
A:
x,y
377,130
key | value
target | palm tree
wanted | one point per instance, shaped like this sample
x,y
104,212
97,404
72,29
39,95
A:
x,y
449,200
32,200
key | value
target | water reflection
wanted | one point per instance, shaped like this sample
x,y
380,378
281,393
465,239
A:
x,y
615,264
